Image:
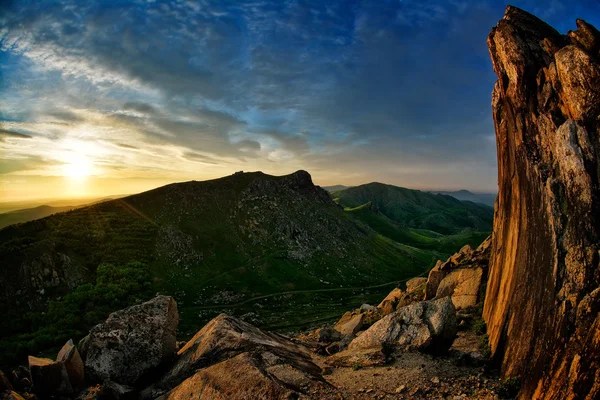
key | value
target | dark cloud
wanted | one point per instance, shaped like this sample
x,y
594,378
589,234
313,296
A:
x,y
13,134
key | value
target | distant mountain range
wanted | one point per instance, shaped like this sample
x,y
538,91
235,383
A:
x,y
335,188
465,195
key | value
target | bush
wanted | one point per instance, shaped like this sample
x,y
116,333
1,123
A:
x,y
478,326
510,387
71,317
484,346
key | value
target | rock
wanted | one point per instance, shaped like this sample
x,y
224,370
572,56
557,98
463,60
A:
x,y
113,391
433,281
387,307
90,393
327,335
10,395
414,284
350,324
462,285
400,389
4,383
392,297
368,357
427,325
250,375
224,338
70,357
435,380
543,292
49,377
367,308
132,342
336,347
21,379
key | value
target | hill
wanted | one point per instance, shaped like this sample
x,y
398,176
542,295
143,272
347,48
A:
x,y
277,250
29,214
465,195
335,188
415,209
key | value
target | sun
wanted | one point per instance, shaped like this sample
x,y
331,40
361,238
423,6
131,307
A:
x,y
78,166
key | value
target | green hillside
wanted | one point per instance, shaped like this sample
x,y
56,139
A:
x,y
277,251
419,210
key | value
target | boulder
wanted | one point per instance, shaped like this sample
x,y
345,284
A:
x,y
132,342
224,338
387,307
251,375
10,395
69,356
543,294
462,285
369,357
392,297
350,323
21,379
433,280
327,335
427,325
113,391
414,284
49,377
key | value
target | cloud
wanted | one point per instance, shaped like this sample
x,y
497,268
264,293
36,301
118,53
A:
x,y
4,133
395,90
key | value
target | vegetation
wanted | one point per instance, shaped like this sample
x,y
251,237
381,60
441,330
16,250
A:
x,y
72,316
276,251
510,388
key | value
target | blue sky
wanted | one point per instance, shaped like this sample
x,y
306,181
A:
x,y
121,96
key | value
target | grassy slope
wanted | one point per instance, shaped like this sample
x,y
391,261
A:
x,y
421,210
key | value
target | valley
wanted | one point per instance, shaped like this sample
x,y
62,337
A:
x,y
277,251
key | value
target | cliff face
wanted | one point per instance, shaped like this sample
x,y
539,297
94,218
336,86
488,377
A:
x,y
542,304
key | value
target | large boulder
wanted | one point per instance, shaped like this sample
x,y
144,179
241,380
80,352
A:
x,y
132,342
426,325
50,378
543,294
224,338
463,285
250,375
415,284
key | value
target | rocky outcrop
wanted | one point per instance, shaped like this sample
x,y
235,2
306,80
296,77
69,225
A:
x,y
249,375
427,326
461,276
223,339
132,342
50,378
350,323
543,297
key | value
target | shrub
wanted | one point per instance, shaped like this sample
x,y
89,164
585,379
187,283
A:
x,y
510,387
484,346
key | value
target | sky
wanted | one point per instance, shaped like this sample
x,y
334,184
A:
x,y
100,97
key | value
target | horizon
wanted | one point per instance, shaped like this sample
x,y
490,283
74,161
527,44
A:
x,y
351,92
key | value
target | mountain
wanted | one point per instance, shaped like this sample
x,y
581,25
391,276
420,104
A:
x,y
542,304
335,188
29,214
464,195
415,209
275,249
7,207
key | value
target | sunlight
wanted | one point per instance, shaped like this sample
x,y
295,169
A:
x,y
78,167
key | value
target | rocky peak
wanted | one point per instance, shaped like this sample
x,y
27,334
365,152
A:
x,y
543,294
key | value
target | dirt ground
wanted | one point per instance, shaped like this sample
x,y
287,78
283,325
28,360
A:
x,y
414,375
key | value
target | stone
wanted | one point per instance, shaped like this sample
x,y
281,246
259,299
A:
x,y
387,307
224,338
70,357
393,297
350,325
463,286
249,375
369,357
21,379
132,342
114,391
367,308
414,284
327,335
49,377
4,383
338,346
543,296
10,395
427,326
433,281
